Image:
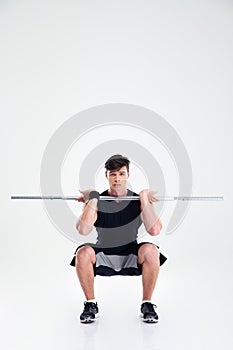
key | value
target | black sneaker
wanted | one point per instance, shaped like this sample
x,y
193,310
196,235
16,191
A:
x,y
148,313
90,312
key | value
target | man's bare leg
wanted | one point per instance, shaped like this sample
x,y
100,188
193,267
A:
x,y
148,256
85,259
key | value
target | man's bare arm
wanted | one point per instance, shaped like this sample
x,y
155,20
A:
x,y
86,221
150,219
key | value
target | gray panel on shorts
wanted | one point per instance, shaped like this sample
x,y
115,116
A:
x,y
116,262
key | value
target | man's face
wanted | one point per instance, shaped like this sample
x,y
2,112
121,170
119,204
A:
x,y
117,179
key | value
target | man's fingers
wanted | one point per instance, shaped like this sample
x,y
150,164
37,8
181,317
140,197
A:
x,y
153,200
153,196
80,199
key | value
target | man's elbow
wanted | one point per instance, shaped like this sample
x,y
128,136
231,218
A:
x,y
155,230
83,229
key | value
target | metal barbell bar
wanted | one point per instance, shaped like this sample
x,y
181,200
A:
x,y
125,198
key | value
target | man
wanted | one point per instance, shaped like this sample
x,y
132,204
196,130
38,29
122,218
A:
x,y
117,251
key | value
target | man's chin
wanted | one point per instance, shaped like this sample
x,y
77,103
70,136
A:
x,y
118,188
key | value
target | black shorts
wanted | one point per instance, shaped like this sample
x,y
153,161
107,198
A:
x,y
122,260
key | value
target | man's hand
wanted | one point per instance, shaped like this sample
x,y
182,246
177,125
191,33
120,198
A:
x,y
84,195
148,196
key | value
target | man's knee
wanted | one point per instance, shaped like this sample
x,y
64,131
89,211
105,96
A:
x,y
85,254
148,252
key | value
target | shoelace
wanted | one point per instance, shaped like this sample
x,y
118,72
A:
x,y
88,305
151,307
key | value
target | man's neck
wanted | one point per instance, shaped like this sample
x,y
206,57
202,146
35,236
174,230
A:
x,y
115,193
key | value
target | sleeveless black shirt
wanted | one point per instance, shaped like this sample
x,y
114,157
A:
x,y
117,223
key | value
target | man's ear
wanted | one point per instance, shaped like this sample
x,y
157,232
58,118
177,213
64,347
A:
x,y
106,174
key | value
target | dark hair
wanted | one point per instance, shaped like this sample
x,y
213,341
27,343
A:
x,y
116,162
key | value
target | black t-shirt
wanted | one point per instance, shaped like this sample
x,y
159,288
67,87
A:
x,y
117,223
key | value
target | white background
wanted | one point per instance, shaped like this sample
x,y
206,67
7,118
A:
x,y
61,57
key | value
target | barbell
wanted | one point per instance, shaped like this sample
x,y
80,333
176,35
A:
x,y
125,198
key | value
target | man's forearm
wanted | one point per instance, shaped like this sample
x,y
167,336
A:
x,y
150,219
87,219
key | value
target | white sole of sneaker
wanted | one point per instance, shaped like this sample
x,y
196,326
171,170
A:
x,y
90,320
148,320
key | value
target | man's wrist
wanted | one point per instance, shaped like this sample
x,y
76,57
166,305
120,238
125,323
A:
x,y
93,203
